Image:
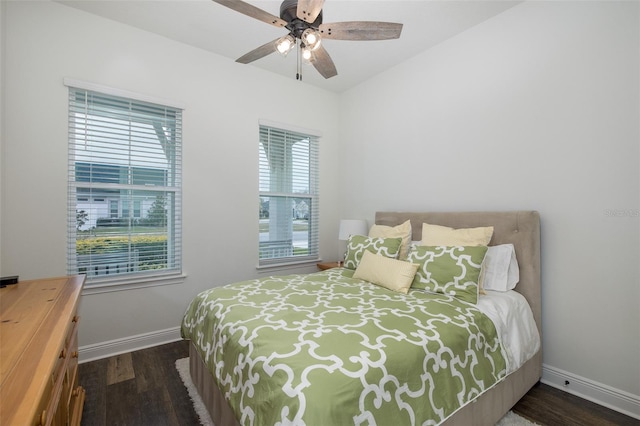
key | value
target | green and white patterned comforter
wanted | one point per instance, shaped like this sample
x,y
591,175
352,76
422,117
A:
x,y
326,349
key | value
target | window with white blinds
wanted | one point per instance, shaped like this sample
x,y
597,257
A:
x,y
289,200
125,161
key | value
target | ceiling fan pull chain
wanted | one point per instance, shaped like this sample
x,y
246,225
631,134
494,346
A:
x,y
298,63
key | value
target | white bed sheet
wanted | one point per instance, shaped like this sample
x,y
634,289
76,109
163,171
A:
x,y
514,322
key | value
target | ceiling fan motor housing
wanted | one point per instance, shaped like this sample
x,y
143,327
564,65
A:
x,y
289,13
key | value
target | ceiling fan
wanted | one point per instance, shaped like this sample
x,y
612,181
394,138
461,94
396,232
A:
x,y
303,19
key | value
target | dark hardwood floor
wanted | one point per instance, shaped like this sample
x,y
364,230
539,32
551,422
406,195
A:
x,y
139,388
143,388
547,405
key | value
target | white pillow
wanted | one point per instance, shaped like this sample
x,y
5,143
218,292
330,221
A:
x,y
500,271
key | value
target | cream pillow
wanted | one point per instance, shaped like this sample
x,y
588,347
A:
x,y
401,231
396,275
436,235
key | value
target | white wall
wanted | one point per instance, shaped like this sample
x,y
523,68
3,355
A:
x,y
537,108
2,84
223,101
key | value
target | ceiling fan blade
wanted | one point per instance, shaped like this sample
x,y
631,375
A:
x,y
308,10
253,12
360,30
323,63
260,52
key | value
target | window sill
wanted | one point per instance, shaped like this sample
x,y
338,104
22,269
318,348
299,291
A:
x,y
289,265
131,283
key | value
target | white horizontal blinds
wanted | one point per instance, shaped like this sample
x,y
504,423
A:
x,y
289,202
124,186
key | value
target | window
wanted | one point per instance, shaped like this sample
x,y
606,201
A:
x,y
289,202
114,208
124,188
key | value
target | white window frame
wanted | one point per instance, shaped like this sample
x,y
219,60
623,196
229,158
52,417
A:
x,y
172,274
287,192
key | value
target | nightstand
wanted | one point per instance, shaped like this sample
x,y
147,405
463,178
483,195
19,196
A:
x,y
328,265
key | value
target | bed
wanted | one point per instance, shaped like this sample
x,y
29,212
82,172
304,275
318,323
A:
x,y
226,379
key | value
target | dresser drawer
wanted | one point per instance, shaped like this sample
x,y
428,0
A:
x,y
60,366
42,410
72,365
65,379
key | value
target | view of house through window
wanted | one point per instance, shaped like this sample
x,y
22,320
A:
x,y
289,202
124,187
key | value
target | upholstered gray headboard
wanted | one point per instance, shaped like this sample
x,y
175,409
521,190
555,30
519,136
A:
x,y
520,228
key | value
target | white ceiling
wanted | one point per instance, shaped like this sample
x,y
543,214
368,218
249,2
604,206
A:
x,y
213,27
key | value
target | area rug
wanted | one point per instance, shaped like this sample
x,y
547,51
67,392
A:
x,y
183,369
510,419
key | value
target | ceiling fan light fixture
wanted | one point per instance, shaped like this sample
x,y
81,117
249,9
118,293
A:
x,y
311,38
307,54
285,44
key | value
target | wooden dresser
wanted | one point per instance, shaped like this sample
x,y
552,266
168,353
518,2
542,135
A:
x,y
39,352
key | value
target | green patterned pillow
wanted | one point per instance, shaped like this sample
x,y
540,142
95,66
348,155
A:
x,y
450,270
388,247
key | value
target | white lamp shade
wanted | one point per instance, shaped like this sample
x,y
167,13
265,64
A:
x,y
352,227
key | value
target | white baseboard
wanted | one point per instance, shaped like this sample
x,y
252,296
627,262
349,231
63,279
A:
x,y
128,344
599,393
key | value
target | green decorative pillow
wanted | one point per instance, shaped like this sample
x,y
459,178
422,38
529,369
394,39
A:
x,y
401,231
388,247
450,270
